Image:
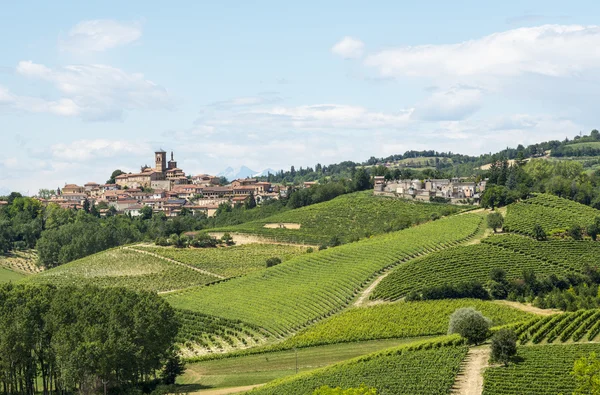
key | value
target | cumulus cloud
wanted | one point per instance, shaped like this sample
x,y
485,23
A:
x,y
349,48
100,35
84,150
452,104
94,92
549,50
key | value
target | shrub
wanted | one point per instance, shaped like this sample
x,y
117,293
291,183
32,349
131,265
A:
x,y
495,220
575,232
470,324
322,247
309,250
539,233
273,261
504,346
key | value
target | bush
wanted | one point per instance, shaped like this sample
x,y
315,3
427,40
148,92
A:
x,y
309,250
504,346
495,220
322,247
227,239
273,261
456,291
470,324
575,232
539,233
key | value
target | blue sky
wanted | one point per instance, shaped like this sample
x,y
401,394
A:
x,y
88,87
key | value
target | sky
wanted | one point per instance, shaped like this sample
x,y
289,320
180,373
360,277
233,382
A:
x,y
90,87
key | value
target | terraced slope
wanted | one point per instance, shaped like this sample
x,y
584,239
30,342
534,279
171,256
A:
x,y
550,212
397,320
397,371
123,268
231,261
313,286
512,253
578,326
544,370
348,217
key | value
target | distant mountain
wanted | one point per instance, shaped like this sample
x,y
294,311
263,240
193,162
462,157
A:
x,y
264,173
231,174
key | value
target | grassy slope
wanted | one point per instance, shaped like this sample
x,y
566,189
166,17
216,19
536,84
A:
x,y
230,261
261,368
544,370
349,217
313,286
123,268
401,319
9,275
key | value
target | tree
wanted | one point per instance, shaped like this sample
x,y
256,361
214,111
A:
x,y
113,176
46,193
470,324
250,202
504,346
273,261
587,374
146,212
498,284
539,233
173,368
86,205
227,239
595,134
495,220
575,232
592,231
361,180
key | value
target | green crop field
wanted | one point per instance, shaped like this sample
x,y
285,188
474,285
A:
x,y
261,368
231,261
313,286
544,370
401,319
589,144
348,217
8,275
392,372
512,253
123,268
550,212
578,326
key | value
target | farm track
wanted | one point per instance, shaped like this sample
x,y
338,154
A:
x,y
175,262
469,380
225,391
528,308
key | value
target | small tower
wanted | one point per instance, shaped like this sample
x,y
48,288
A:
x,y
160,157
172,163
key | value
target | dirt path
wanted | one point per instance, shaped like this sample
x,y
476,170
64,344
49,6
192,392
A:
x,y
225,391
528,308
363,299
175,262
469,380
243,238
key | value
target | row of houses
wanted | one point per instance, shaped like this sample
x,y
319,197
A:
x,y
456,190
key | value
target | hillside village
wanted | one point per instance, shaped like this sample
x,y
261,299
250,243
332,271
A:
x,y
165,188
455,190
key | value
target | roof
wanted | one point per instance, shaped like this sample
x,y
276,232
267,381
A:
x,y
69,186
3,203
91,183
134,207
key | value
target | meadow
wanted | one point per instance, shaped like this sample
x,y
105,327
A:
x,y
349,217
123,268
313,286
230,261
7,275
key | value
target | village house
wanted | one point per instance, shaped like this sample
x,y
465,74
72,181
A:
x,y
456,190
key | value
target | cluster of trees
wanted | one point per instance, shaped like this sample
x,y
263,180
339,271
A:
x,y
63,340
21,223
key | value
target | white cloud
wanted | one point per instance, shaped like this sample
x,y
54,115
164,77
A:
x,y
349,48
85,150
452,104
94,92
549,50
100,35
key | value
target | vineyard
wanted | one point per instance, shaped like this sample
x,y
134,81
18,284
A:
x,y
393,372
512,253
313,286
123,268
544,370
349,217
203,334
397,320
229,262
577,326
550,212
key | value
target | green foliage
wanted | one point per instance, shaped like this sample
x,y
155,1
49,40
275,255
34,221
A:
x,y
123,268
542,370
495,220
273,261
362,390
313,286
398,320
504,345
575,232
470,324
430,370
7,275
348,217
539,233
587,374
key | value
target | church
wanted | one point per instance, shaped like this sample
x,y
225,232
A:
x,y
164,175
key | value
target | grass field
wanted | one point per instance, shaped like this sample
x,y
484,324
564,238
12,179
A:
x,y
231,261
7,275
544,370
262,368
123,268
314,286
397,320
392,372
349,217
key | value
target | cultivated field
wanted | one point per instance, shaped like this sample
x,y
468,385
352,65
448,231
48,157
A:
x,y
7,275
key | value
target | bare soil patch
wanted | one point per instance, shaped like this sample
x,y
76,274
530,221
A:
x,y
470,379
225,391
528,308
283,226
243,238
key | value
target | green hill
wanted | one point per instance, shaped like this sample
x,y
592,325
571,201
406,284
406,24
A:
x,y
313,286
348,217
9,275
124,268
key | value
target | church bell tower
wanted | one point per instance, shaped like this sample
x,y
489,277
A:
x,y
161,161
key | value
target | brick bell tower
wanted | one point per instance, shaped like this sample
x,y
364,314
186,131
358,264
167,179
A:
x,y
160,157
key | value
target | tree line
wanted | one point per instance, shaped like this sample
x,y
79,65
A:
x,y
92,340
